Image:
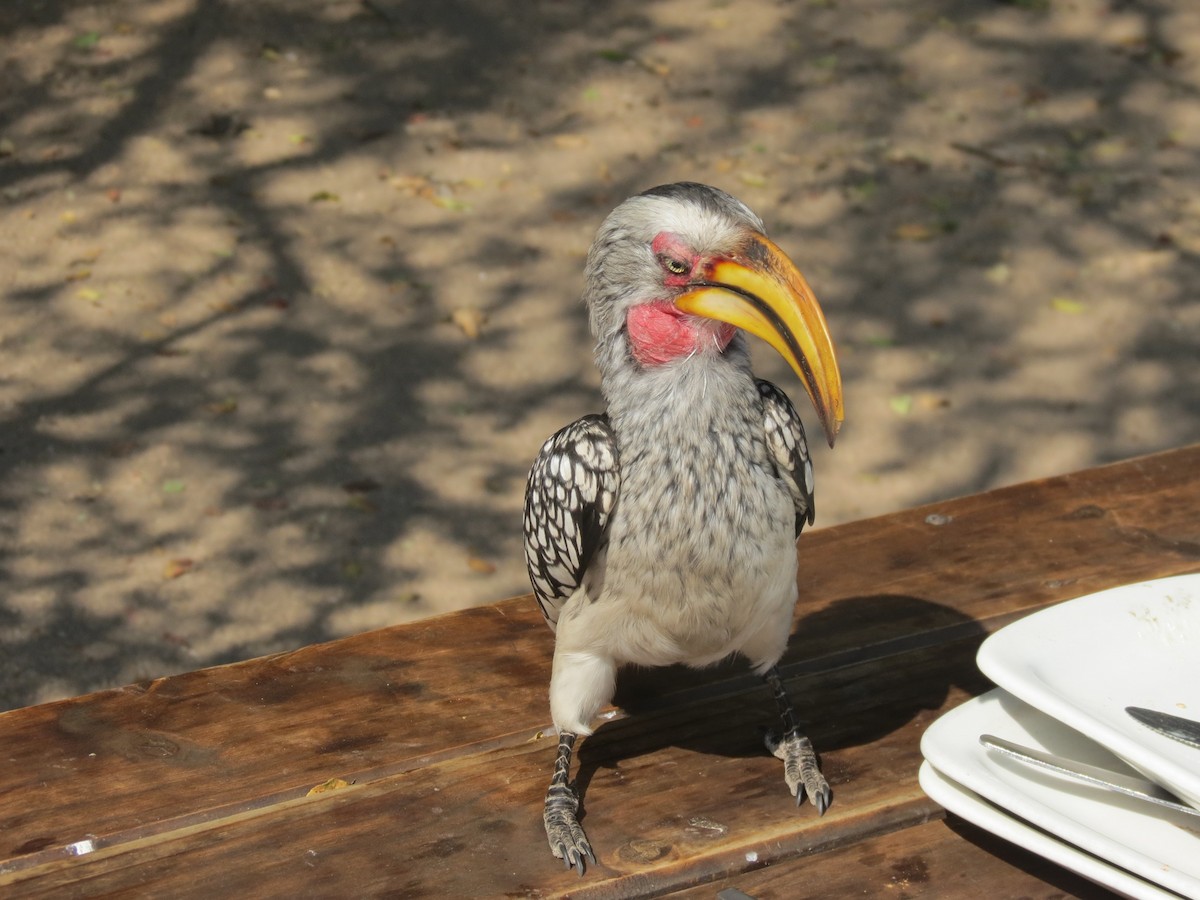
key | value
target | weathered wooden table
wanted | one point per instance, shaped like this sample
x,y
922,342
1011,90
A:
x,y
199,785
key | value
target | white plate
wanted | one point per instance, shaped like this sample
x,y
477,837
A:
x,y
970,806
1085,660
1159,845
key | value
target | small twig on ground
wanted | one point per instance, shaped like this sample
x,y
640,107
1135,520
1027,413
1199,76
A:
x,y
1032,165
983,153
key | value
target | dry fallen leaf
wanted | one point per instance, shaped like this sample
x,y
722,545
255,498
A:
x,y
482,566
176,567
933,401
412,183
999,274
446,201
469,320
440,194
333,784
913,231
1067,305
222,407
1111,150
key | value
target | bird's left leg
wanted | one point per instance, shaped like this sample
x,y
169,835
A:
x,y
800,768
580,683
560,815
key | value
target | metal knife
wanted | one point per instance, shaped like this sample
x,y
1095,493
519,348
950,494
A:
x,y
1178,728
1129,785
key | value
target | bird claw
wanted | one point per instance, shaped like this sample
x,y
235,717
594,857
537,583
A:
x,y
575,857
822,798
574,850
800,769
566,837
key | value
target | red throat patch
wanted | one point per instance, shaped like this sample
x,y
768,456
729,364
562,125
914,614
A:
x,y
659,332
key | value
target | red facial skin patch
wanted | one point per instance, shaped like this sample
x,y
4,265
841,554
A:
x,y
659,333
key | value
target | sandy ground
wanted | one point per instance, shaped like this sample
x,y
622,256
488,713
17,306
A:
x,y
290,288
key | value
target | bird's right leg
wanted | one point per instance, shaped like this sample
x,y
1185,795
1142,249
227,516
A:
x,y
567,840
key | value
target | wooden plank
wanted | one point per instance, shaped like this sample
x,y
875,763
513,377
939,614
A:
x,y
941,860
211,746
671,799
218,742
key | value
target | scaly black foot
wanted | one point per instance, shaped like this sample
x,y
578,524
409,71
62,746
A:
x,y
567,840
800,767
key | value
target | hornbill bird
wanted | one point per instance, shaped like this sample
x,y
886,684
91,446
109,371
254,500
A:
x,y
664,531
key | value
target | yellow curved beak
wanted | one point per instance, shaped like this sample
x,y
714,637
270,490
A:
x,y
761,291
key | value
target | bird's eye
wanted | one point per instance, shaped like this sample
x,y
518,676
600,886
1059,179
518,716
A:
x,y
674,266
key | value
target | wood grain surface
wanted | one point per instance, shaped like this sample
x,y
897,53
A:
x,y
198,785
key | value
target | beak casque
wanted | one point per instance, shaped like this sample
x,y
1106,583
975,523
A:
x,y
761,291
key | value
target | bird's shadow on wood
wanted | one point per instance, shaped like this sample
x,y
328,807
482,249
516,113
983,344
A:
x,y
856,670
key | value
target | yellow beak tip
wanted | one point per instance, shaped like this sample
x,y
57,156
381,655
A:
x,y
764,294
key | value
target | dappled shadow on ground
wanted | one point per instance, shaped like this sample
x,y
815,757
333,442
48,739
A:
x,y
244,407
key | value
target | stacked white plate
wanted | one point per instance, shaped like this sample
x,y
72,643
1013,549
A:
x,y
1066,675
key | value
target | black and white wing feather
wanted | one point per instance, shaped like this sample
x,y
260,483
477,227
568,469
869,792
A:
x,y
571,493
789,448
